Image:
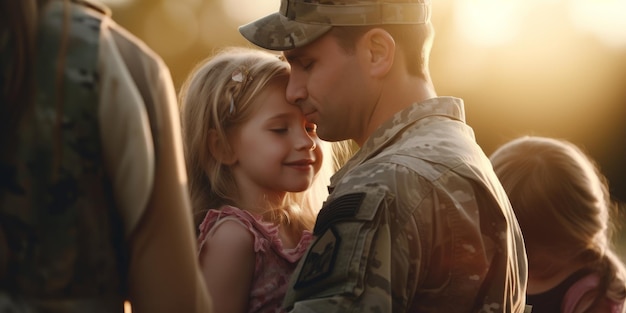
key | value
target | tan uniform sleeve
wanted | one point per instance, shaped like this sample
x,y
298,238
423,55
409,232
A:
x,y
149,175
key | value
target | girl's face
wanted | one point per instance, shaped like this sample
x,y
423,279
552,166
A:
x,y
276,150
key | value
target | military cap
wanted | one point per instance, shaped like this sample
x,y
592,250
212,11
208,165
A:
x,y
299,22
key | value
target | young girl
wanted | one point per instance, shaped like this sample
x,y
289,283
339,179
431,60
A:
x,y
562,203
249,156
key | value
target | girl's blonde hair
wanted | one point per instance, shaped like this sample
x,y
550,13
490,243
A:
x,y
563,205
218,96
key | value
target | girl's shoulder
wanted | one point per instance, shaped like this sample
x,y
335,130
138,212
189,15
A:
x,y
216,218
266,235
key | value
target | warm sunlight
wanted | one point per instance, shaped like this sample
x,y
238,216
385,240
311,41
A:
x,y
244,11
549,67
603,18
481,22
173,19
490,22
495,22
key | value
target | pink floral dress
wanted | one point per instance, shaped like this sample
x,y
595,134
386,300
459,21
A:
x,y
274,264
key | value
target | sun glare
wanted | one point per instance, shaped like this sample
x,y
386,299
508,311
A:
x,y
604,18
489,22
499,22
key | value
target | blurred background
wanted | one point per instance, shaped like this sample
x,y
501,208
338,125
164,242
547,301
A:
x,y
524,67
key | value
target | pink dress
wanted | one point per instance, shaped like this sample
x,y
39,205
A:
x,y
586,285
274,264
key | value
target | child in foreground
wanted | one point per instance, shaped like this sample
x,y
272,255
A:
x,y
250,158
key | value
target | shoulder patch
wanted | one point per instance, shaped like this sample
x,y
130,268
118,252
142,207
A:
x,y
320,260
343,207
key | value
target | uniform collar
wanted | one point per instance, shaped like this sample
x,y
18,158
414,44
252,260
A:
x,y
449,107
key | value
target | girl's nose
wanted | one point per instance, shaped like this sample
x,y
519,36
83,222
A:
x,y
305,142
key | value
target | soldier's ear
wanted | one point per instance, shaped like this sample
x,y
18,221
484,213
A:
x,y
381,49
220,149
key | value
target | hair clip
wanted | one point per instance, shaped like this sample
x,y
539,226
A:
x,y
240,75
232,106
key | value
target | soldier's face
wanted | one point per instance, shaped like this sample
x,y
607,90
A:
x,y
327,83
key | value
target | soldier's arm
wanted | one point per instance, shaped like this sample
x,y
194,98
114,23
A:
x,y
349,267
367,253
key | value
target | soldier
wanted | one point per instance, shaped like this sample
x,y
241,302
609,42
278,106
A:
x,y
416,220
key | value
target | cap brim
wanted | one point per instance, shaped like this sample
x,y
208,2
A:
x,y
276,32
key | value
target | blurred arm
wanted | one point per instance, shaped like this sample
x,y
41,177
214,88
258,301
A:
x,y
139,105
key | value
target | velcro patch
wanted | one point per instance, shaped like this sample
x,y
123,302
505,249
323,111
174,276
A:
x,y
343,207
320,260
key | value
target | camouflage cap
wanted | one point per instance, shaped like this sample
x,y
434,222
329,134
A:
x,y
300,22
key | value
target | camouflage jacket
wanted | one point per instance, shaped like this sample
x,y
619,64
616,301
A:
x,y
62,245
416,222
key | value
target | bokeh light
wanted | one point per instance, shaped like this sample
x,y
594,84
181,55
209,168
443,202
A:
x,y
605,19
490,22
244,11
171,19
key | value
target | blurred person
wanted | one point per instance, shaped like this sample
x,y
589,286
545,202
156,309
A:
x,y
257,175
563,206
416,220
94,209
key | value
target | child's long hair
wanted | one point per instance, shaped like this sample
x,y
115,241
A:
x,y
217,97
562,203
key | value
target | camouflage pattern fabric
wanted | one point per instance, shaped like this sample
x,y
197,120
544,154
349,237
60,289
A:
x,y
300,22
63,249
416,222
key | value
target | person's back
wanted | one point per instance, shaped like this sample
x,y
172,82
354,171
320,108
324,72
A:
x,y
417,220
93,204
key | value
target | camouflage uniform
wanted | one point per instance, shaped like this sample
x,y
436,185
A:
x,y
70,200
416,222
59,229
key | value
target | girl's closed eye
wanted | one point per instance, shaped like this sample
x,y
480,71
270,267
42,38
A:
x,y
279,130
